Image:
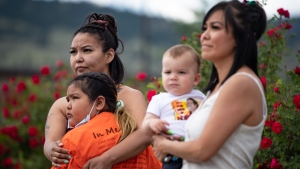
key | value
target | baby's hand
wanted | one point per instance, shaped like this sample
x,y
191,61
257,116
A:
x,y
158,126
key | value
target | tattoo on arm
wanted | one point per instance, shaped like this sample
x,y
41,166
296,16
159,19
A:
x,y
47,129
47,126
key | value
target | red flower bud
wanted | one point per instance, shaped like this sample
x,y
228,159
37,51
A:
x,y
5,112
33,143
265,143
5,87
150,94
275,164
297,70
32,131
264,81
296,100
59,63
183,38
25,119
45,70
21,86
35,79
141,76
32,97
56,95
7,162
277,127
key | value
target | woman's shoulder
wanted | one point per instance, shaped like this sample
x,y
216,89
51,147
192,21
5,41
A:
x,y
127,93
123,89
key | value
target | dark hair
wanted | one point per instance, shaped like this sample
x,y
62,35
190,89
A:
x,y
95,84
180,49
104,28
193,100
248,22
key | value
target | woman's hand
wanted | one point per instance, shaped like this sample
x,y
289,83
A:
x,y
97,163
59,155
158,147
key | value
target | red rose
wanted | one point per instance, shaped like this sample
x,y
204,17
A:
x,y
296,100
286,14
283,12
56,95
269,122
21,86
286,26
297,70
264,81
35,79
17,114
275,164
141,76
271,32
12,79
60,74
150,94
7,162
33,143
276,105
32,97
183,38
25,119
276,90
32,131
45,70
17,166
5,87
262,66
280,11
1,149
265,143
277,127
5,112
59,63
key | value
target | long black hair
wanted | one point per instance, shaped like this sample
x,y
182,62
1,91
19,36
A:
x,y
248,22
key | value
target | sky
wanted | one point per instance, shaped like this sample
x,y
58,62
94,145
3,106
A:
x,y
183,10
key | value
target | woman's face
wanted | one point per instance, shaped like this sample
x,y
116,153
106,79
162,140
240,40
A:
x,y
216,42
87,56
191,105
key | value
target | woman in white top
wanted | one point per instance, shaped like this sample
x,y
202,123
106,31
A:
x,y
225,131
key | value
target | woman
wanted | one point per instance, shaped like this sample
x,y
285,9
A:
x,y
93,49
225,131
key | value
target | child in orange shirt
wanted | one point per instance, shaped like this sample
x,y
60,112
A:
x,y
98,122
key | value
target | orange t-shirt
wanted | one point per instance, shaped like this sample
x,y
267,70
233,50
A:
x,y
97,136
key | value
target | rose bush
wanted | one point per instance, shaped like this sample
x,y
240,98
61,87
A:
x,y
24,102
280,145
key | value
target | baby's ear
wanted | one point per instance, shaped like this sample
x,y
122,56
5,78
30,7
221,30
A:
x,y
100,103
197,79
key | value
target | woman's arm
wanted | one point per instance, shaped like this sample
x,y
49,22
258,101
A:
x,y
55,128
132,145
238,102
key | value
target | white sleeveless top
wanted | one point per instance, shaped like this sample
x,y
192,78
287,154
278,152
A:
x,y
240,148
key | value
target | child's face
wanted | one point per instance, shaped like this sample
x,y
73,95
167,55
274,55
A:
x,y
78,106
179,75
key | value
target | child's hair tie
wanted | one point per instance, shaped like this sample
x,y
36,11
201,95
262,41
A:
x,y
120,103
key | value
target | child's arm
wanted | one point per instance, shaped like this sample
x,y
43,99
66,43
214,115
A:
x,y
152,123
